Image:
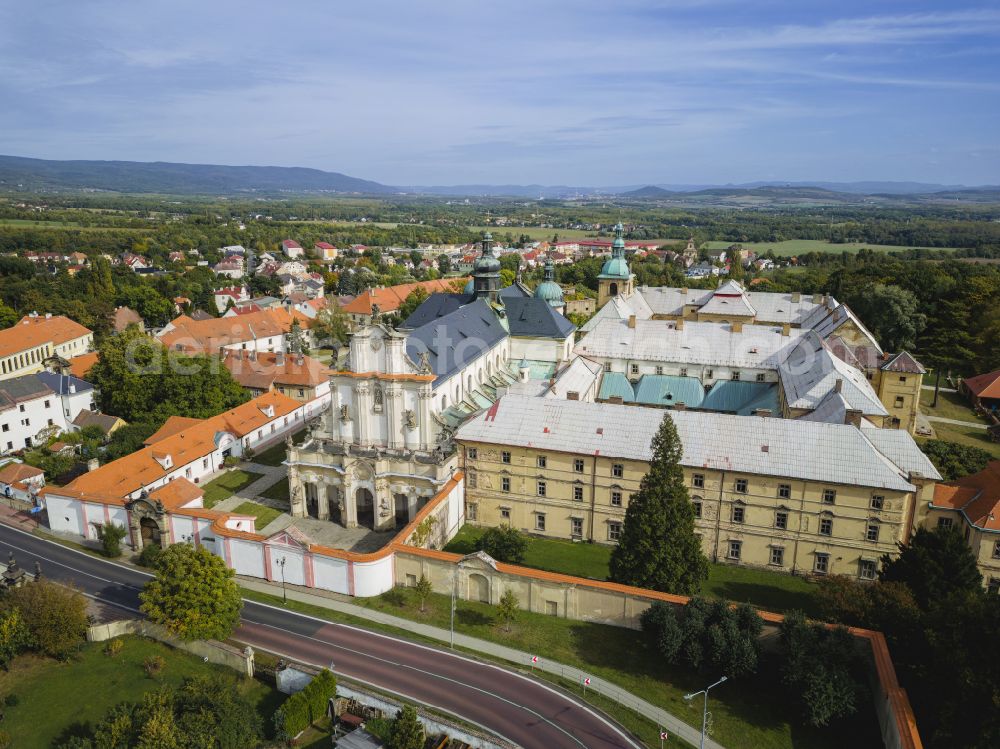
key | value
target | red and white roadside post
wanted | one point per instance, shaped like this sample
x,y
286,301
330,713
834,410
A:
x,y
534,660
586,683
663,737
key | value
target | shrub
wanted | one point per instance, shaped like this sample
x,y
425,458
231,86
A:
x,y
305,707
11,700
230,460
55,616
149,555
954,460
503,543
407,731
14,636
114,647
110,536
153,665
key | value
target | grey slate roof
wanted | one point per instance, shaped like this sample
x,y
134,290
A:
x,y
60,383
457,339
23,388
535,318
435,307
515,290
810,451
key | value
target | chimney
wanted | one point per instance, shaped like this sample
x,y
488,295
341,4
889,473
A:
x,y
279,358
93,464
680,406
252,355
817,298
838,386
762,412
786,329
684,291
796,297
631,321
72,388
679,325
736,326
853,417
829,302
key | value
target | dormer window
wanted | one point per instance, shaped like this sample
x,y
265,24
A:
x,y
268,411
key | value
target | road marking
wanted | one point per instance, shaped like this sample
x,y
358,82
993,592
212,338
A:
x,y
73,569
441,651
367,632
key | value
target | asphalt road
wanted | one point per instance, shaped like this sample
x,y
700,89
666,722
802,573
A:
x,y
516,707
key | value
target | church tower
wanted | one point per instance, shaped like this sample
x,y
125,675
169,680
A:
x,y
615,277
486,272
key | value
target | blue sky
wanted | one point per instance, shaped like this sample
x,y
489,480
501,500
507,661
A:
x,y
582,92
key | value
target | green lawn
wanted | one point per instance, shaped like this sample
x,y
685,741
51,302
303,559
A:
x,y
274,455
227,485
768,590
57,699
262,513
949,406
749,713
277,491
796,246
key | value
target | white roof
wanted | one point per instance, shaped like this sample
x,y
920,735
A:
x,y
827,324
809,371
832,409
699,343
898,446
721,304
580,376
788,448
619,308
767,306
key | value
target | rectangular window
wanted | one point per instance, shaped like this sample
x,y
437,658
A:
x,y
760,377
736,374
576,526
6,427
878,501
541,488
781,520
739,513
617,470
634,368
826,526
204,464
472,453
902,378
735,549
945,523
659,370
993,587
48,404
473,480
471,512
784,491
866,569
541,461
741,486
821,564
607,366
578,493
898,402
301,392
505,484
616,499
684,372
829,496
996,549
505,456
578,466
697,509
708,374
614,531
777,557
698,481
505,513
539,521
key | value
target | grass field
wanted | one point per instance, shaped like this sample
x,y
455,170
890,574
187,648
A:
x,y
767,590
796,246
955,406
23,222
274,455
537,233
227,485
277,491
263,514
55,699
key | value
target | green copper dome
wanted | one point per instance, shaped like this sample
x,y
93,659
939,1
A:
x,y
548,289
617,266
470,287
487,261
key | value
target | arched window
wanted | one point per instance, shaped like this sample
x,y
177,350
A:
x,y
613,289
444,402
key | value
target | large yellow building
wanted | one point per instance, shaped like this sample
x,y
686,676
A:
x,y
795,496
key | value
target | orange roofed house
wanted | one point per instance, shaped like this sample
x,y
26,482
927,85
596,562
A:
x,y
263,331
143,491
388,299
972,503
296,375
35,338
984,391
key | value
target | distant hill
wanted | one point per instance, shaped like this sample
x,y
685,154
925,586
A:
x,y
649,191
17,173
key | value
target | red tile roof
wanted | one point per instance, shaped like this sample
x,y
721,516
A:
x,y
976,496
985,385
389,298
32,331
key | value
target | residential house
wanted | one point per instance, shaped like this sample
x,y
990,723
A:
x,y
292,249
123,317
20,483
296,375
105,422
230,294
266,331
325,251
387,299
35,407
25,347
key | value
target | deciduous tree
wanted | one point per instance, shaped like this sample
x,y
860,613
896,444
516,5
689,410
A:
x,y
194,594
55,615
507,609
407,732
503,543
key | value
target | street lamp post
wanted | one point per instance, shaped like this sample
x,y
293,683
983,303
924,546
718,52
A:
x,y
281,564
704,712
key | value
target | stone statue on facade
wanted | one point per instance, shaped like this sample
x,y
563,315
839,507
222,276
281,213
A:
x,y
410,418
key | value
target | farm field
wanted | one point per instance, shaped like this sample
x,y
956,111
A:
x,y
795,246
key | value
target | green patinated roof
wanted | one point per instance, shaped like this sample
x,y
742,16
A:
x,y
668,390
616,267
738,397
616,385
550,291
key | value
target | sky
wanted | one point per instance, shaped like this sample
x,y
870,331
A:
x,y
581,92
